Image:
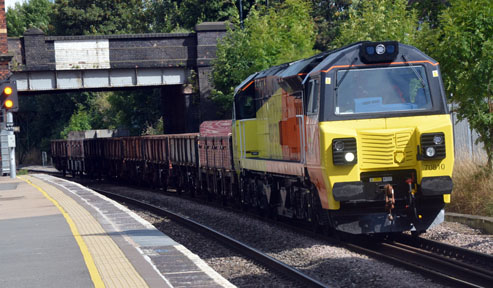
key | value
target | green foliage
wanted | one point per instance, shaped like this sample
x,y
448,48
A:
x,y
85,17
379,20
183,15
22,172
196,11
162,15
134,111
42,118
271,36
156,129
328,16
79,121
465,51
429,10
35,13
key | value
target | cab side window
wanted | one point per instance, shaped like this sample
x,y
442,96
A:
x,y
312,99
245,105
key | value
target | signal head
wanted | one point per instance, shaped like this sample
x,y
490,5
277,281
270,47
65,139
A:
x,y
9,96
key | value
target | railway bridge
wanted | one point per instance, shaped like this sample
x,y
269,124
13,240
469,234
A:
x,y
179,63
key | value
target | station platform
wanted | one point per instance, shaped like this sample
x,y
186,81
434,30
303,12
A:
x,y
56,233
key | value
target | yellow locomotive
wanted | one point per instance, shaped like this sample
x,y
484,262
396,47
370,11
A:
x,y
358,139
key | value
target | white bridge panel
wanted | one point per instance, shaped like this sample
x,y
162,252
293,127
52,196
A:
x,y
96,79
170,77
87,79
149,77
41,81
82,54
122,78
68,80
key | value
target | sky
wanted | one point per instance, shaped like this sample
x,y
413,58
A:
x,y
11,3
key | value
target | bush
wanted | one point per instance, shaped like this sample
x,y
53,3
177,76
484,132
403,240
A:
x,y
473,189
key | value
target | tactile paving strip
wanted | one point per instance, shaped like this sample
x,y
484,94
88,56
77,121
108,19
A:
x,y
111,262
164,254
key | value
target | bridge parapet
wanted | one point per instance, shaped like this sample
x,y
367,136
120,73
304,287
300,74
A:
x,y
44,62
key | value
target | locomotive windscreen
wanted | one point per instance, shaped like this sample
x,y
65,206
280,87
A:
x,y
378,90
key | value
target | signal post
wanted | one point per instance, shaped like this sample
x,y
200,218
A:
x,y
10,102
9,99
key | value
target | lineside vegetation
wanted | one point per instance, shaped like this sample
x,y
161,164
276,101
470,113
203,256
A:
x,y
473,186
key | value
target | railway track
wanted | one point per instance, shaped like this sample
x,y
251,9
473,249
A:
x,y
445,263
246,250
452,265
476,261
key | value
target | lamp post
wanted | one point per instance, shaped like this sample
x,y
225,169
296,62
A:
x,y
241,13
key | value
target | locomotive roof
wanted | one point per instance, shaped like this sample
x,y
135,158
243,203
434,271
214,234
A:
x,y
348,55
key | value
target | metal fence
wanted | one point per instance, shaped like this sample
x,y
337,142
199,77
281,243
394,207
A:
x,y
465,141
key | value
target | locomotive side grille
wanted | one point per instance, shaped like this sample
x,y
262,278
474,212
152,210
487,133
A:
x,y
379,149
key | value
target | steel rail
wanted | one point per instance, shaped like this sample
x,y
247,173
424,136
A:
x,y
435,266
478,260
238,246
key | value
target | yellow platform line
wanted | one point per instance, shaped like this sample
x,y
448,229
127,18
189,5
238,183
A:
x,y
107,264
93,271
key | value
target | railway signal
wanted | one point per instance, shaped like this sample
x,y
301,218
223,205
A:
x,y
10,100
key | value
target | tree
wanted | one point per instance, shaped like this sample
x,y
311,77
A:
x,y
162,15
85,17
196,11
429,10
136,110
170,15
379,20
42,118
328,15
465,51
79,121
35,13
272,35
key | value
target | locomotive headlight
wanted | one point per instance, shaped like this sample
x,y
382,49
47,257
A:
x,y
433,146
344,151
349,157
438,139
430,152
380,49
339,145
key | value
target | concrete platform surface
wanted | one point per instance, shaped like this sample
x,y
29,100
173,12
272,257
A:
x,y
56,233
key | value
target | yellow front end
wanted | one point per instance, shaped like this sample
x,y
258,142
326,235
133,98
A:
x,y
388,151
386,144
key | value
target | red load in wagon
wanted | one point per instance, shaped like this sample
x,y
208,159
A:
x,y
215,145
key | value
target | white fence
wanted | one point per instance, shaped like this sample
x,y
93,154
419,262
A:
x,y
464,141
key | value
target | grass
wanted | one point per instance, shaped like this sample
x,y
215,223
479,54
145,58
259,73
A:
x,y
473,189
22,172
